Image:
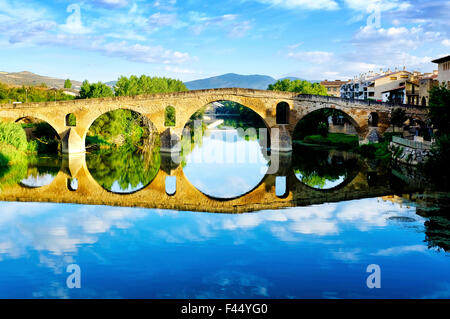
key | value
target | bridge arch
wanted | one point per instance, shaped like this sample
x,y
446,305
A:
x,y
360,127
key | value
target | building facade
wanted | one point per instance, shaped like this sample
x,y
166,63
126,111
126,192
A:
x,y
333,87
444,70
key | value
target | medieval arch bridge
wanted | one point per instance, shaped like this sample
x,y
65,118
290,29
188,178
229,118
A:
x,y
280,110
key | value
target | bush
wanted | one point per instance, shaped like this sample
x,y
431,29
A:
x,y
13,134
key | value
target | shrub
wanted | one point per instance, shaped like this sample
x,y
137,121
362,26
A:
x,y
13,134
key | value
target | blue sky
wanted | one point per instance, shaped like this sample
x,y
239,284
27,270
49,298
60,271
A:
x,y
312,39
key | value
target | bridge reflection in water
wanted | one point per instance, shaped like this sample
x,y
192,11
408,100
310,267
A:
x,y
74,183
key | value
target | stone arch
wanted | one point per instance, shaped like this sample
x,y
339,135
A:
x,y
58,130
250,106
360,127
86,122
424,101
282,113
373,119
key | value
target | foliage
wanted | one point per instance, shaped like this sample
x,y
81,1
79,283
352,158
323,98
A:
x,y
375,151
119,127
398,117
147,85
298,86
71,120
129,168
13,134
318,166
30,94
67,84
337,140
437,164
440,109
95,90
170,118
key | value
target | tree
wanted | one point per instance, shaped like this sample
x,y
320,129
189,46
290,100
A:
x,y
67,84
398,117
298,86
133,85
440,109
95,90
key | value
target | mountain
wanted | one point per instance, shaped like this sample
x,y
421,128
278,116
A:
x,y
293,78
28,78
231,80
111,83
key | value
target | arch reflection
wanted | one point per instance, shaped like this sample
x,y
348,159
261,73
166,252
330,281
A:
x,y
322,168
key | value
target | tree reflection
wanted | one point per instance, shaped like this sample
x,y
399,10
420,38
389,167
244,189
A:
x,y
124,170
321,168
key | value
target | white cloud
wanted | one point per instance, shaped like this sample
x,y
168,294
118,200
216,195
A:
x,y
382,5
369,50
401,250
111,3
239,30
317,57
142,53
446,42
303,4
158,20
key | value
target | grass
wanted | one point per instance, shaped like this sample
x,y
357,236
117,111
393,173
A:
x,y
338,140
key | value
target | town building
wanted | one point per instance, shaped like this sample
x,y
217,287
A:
x,y
333,87
425,84
444,70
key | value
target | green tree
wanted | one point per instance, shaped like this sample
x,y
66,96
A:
x,y
298,86
440,109
95,90
398,117
133,85
67,84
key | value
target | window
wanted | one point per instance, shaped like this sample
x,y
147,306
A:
x,y
171,185
169,116
280,186
282,113
71,120
393,78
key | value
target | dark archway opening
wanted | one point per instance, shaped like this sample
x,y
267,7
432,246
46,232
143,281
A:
x,y
327,126
282,115
424,101
373,119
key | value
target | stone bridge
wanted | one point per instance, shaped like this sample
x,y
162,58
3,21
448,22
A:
x,y
281,110
361,183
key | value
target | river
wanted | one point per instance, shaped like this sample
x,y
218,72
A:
x,y
319,246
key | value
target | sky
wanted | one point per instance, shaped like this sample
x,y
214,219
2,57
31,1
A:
x,y
100,40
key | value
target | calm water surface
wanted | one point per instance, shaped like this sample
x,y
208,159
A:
x,y
316,251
